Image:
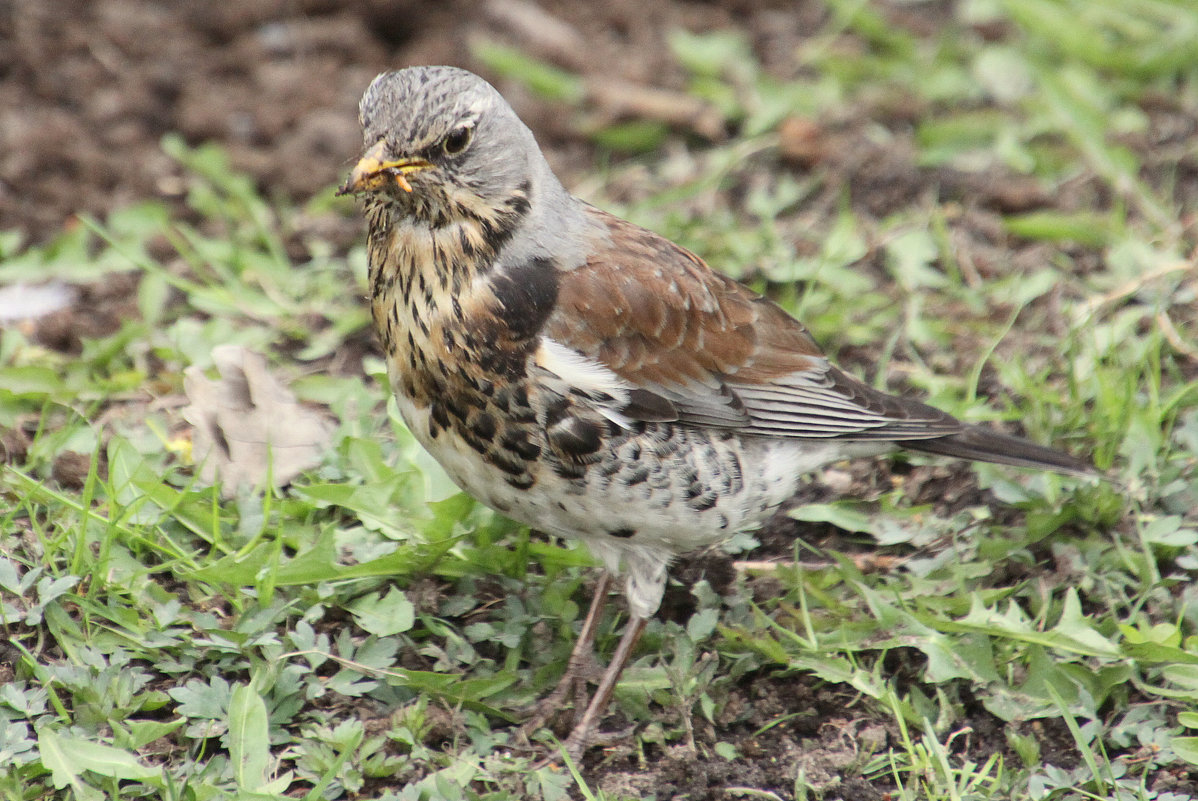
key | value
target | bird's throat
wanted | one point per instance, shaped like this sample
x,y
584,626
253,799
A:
x,y
445,313
458,334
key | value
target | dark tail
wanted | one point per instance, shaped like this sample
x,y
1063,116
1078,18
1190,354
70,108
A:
x,y
984,445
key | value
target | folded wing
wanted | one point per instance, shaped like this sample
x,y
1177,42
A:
x,y
712,352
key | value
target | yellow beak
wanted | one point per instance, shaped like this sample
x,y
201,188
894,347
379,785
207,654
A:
x,y
373,172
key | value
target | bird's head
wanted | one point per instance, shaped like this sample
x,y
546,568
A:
x,y
442,146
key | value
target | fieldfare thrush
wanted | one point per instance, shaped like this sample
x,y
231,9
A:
x,y
587,377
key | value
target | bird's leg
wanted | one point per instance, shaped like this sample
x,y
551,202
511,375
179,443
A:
x,y
581,663
584,730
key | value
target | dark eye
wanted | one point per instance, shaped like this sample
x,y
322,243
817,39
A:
x,y
457,140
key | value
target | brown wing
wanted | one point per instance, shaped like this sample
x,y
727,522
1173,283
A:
x,y
702,349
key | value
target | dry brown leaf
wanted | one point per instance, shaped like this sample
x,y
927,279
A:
x,y
248,426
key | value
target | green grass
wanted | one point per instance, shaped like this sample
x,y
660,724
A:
x,y
369,632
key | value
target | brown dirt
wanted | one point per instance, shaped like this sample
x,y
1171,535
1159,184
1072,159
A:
x,y
90,86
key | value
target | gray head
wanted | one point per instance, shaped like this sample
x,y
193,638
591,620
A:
x,y
442,145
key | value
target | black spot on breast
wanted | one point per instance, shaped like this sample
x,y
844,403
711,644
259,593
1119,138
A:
x,y
512,400
523,416
437,419
569,470
496,232
523,481
465,244
483,426
526,295
518,397
455,407
660,479
637,476
576,438
517,441
735,476
479,445
507,463
518,205
609,468
622,533
570,435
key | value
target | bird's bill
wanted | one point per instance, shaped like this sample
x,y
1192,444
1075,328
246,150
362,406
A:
x,y
373,172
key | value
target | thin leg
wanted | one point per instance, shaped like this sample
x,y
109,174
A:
x,y
582,660
577,742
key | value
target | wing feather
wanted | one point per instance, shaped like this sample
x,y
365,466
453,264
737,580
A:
x,y
709,352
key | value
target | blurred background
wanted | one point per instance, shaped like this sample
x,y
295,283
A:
x,y
89,88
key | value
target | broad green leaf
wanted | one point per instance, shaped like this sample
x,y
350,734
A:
x,y
386,615
249,741
702,624
31,381
314,564
1186,748
1086,228
67,757
911,256
844,515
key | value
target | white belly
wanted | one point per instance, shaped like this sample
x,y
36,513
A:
x,y
648,499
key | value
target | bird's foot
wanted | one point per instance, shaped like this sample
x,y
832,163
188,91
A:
x,y
583,734
546,711
581,738
581,667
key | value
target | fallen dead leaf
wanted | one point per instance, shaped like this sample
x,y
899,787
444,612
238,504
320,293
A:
x,y
249,428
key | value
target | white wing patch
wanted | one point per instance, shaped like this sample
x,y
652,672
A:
x,y
569,373
808,404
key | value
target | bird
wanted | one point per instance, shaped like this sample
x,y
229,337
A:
x,y
587,377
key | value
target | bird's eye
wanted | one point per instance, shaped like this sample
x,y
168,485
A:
x,y
457,140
